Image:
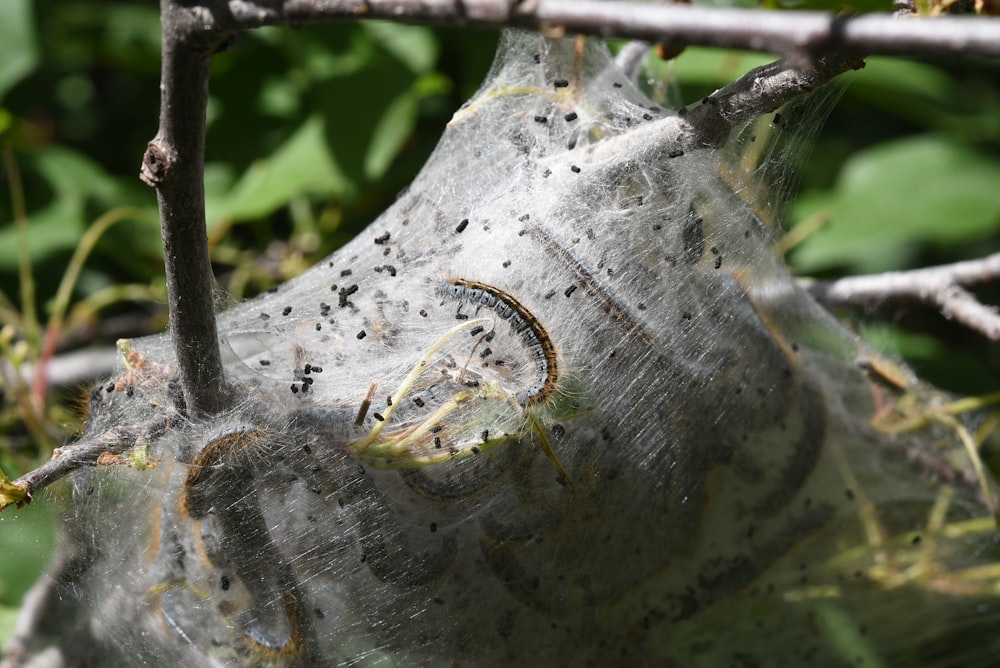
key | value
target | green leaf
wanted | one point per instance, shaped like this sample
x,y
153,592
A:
x,y
918,93
18,48
6,120
886,78
414,46
280,97
75,177
27,539
219,180
302,165
322,63
8,619
58,226
80,190
841,630
131,33
713,67
898,194
393,128
397,122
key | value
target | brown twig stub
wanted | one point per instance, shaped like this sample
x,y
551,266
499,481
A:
x,y
155,165
941,286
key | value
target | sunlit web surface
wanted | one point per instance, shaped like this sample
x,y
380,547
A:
x,y
603,426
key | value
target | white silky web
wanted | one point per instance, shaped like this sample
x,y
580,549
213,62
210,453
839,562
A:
x,y
702,485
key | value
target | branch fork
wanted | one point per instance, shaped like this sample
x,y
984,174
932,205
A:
x,y
193,31
942,287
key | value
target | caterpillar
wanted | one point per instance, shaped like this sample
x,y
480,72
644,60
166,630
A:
x,y
524,324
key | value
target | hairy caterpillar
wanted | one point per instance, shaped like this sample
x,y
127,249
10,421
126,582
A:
x,y
524,324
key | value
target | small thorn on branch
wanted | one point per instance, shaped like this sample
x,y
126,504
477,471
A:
x,y
942,287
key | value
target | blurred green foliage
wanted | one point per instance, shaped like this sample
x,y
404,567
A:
x,y
313,131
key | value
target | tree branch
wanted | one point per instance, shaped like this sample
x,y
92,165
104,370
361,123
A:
x,y
174,165
785,33
760,91
940,286
82,453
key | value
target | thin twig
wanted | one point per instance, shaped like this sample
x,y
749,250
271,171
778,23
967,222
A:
x,y
709,122
86,453
760,91
29,318
940,286
785,33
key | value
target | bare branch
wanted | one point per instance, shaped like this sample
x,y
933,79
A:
x,y
174,165
709,122
760,91
785,33
82,453
939,286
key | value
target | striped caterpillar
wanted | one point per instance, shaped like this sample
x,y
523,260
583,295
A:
x,y
524,324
